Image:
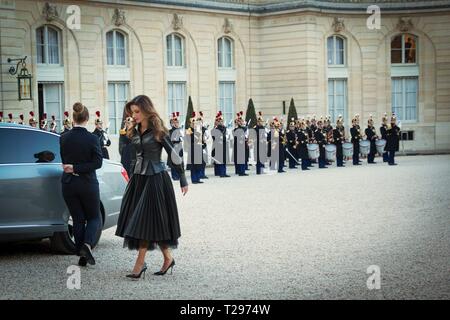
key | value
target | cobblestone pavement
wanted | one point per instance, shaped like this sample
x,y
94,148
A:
x,y
297,235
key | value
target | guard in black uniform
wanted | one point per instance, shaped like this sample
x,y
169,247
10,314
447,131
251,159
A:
x,y
44,125
204,138
126,150
338,140
292,144
193,146
372,137
220,141
53,125
302,139
101,135
383,132
356,137
239,146
393,140
66,123
260,147
32,122
321,140
176,137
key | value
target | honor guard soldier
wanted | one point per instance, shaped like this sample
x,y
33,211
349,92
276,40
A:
x,y
32,122
193,146
278,141
204,139
176,136
321,140
292,144
356,137
43,124
372,137
66,123
383,131
359,130
53,125
393,140
102,135
21,119
338,140
328,131
213,150
239,146
260,147
303,138
126,149
220,142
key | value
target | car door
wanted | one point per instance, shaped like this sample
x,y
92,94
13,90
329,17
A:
x,y
30,172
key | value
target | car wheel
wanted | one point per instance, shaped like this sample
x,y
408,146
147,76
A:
x,y
64,242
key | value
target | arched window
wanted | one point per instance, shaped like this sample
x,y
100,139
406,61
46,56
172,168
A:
x,y
336,50
225,52
175,50
48,45
404,48
116,48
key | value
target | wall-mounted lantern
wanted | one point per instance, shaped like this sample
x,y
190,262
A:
x,y
23,78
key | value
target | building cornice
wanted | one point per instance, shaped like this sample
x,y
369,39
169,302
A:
x,y
269,7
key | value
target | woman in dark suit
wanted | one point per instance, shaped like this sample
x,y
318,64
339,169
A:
x,y
149,216
81,155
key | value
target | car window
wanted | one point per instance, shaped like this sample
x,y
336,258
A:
x,y
28,146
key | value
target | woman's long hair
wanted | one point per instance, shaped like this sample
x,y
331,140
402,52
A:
x,y
148,110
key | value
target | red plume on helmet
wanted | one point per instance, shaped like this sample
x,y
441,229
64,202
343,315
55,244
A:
x,y
21,117
10,116
53,118
32,114
98,120
44,116
1,114
178,113
66,114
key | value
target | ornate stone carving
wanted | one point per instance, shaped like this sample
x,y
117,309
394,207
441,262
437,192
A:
x,y
338,24
227,26
404,24
177,22
49,12
118,17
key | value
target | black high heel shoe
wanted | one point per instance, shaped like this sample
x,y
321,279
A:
x,y
161,273
138,275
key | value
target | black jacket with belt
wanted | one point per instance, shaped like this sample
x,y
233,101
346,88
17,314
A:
x,y
82,149
148,155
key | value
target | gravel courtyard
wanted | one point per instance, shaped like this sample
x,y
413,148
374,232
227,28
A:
x,y
297,235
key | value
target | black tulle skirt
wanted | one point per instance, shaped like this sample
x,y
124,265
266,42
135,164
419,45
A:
x,y
148,214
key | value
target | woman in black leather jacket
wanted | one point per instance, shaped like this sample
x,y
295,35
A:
x,y
149,215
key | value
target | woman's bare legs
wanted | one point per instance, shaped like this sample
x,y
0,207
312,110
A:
x,y
167,257
140,260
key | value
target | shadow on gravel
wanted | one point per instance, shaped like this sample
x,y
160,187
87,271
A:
x,y
35,247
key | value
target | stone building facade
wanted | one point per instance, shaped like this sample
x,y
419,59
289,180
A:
x,y
333,57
